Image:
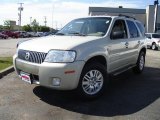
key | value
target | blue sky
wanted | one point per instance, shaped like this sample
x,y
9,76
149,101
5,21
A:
x,y
59,12
84,1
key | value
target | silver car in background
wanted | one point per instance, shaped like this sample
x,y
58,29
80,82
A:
x,y
153,41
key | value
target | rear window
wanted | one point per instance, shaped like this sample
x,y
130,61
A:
x,y
156,35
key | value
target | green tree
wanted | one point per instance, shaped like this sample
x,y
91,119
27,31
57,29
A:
x,y
44,29
35,25
27,28
7,25
1,27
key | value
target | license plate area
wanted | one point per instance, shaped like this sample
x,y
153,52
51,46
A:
x,y
25,77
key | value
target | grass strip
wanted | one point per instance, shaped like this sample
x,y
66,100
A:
x,y
5,62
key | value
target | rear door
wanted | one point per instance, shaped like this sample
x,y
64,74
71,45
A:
x,y
134,41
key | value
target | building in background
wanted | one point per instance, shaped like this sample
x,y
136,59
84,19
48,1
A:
x,y
146,16
150,10
13,25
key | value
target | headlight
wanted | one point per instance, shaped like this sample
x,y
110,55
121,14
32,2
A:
x,y
60,56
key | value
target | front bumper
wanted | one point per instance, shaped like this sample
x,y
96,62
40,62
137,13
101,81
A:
x,y
47,71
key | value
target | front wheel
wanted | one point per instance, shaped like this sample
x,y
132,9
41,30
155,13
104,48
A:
x,y
140,63
92,81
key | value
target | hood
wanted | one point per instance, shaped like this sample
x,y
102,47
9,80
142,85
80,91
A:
x,y
45,44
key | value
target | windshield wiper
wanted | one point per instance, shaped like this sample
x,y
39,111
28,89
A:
x,y
59,34
77,33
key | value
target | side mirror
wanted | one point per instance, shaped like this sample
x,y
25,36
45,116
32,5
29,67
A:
x,y
149,37
117,35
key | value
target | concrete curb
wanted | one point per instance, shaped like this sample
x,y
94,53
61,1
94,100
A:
x,y
6,71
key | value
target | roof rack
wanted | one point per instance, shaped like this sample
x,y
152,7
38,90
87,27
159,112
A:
x,y
127,16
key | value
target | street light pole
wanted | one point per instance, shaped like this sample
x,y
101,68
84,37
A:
x,y
156,2
52,14
45,20
30,21
20,9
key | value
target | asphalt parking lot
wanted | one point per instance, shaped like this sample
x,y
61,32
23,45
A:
x,y
129,97
8,46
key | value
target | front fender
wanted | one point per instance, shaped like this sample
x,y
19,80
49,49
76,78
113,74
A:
x,y
89,53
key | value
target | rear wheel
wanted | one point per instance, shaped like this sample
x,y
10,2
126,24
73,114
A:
x,y
92,81
140,63
154,46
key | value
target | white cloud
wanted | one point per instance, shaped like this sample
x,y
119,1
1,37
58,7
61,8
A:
x,y
63,12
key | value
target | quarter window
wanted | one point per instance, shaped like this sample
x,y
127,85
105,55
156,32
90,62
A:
x,y
132,29
141,28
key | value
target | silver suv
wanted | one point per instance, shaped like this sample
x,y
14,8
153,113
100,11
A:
x,y
153,40
83,54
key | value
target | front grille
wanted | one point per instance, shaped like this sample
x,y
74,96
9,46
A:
x,y
31,56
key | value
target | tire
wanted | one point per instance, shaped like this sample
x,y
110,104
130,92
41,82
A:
x,y
153,46
93,81
140,63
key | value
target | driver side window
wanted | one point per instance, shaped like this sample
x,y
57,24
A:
x,y
119,30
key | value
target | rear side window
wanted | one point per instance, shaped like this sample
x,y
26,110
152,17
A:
x,y
132,29
148,36
141,28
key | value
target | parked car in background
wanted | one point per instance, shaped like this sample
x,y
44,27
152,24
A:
x,y
35,34
39,34
46,33
11,34
22,34
30,34
3,36
153,41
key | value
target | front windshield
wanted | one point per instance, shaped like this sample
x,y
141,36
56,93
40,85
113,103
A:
x,y
97,26
156,35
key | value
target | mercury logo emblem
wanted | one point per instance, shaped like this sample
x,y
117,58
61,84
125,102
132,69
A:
x,y
27,55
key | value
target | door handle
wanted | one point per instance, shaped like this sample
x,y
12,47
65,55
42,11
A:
x,y
126,44
139,42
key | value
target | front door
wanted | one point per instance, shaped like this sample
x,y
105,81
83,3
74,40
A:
x,y
118,46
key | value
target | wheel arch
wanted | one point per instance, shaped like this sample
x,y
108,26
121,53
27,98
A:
x,y
143,49
98,58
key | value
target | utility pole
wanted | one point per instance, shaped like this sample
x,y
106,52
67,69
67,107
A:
x,y
52,14
45,20
20,9
56,23
156,2
30,21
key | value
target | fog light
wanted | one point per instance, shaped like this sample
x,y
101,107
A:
x,y
56,82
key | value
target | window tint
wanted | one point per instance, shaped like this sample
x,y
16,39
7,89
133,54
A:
x,y
141,28
132,29
119,30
